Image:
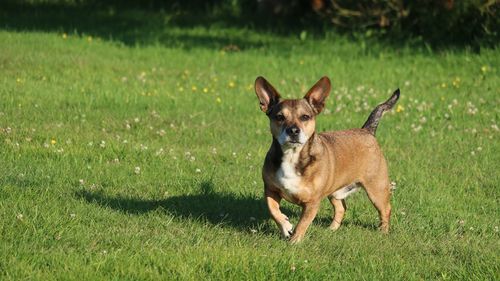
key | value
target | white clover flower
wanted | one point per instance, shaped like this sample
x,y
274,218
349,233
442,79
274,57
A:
x,y
159,152
393,185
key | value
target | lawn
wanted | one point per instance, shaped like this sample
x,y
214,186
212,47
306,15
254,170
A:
x,y
127,161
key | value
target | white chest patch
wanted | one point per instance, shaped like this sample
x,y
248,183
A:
x,y
287,176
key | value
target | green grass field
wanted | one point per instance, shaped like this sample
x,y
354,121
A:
x,y
142,161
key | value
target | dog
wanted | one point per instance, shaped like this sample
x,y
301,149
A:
x,y
303,166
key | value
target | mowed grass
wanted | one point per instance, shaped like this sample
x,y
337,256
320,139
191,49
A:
x,y
124,162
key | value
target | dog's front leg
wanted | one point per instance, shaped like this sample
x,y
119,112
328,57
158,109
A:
x,y
309,211
273,203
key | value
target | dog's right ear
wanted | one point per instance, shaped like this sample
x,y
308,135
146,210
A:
x,y
267,94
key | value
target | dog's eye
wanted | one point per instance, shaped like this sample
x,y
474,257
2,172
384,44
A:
x,y
280,117
305,117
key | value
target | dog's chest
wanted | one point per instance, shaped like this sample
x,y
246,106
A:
x,y
288,178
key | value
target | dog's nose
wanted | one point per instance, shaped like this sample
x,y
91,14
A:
x,y
293,131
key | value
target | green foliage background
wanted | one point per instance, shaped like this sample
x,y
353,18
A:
x,y
436,22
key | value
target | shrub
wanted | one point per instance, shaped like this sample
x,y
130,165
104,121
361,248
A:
x,y
467,22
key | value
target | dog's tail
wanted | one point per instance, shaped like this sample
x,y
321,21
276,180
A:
x,y
372,123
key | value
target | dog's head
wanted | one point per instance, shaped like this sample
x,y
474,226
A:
x,y
292,121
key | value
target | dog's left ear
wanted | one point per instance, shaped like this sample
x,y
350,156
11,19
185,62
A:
x,y
318,94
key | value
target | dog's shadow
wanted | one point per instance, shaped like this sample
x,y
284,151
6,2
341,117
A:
x,y
238,211
242,212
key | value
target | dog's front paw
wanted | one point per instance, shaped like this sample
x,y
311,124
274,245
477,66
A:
x,y
296,238
287,229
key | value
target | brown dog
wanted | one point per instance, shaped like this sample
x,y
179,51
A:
x,y
304,167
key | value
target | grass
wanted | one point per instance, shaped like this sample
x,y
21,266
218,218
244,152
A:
x,y
142,161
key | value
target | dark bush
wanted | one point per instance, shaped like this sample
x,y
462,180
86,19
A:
x,y
438,22
466,22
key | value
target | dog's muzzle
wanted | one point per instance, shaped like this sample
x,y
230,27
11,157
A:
x,y
292,136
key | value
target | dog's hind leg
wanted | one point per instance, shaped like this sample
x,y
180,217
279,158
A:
x,y
339,211
380,194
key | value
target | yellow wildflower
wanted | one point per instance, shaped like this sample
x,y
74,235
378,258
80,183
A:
x,y
218,100
64,36
231,84
399,108
205,90
53,141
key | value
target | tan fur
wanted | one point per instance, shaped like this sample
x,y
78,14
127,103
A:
x,y
326,163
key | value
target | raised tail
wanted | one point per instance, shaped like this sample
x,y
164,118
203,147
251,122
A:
x,y
372,123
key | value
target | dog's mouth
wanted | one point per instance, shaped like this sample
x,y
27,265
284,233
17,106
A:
x,y
288,140
293,143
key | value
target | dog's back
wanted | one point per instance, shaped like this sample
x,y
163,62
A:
x,y
357,155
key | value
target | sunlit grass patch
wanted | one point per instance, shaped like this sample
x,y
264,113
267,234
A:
x,y
141,162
